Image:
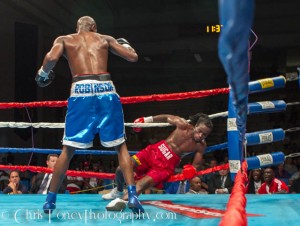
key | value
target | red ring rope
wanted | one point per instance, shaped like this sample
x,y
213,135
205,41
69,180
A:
x,y
73,173
236,207
180,176
111,176
126,100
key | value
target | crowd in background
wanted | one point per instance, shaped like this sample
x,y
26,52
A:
x,y
286,176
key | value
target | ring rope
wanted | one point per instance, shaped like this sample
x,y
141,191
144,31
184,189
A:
x,y
293,103
236,207
61,125
58,151
293,155
126,100
73,173
136,125
291,130
100,175
181,176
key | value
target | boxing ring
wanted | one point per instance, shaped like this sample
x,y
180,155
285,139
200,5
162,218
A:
x,y
89,209
267,210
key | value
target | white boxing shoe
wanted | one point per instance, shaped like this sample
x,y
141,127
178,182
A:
x,y
116,205
113,194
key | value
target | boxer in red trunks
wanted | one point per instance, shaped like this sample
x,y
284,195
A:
x,y
272,185
156,163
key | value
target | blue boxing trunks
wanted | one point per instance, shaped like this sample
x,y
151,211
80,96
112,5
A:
x,y
94,107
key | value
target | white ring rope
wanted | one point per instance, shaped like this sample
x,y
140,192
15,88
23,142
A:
x,y
293,155
23,125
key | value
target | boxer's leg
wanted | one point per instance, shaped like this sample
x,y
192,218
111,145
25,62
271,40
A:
x,y
59,173
126,166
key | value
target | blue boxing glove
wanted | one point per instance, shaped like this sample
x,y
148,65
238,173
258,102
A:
x,y
123,42
43,78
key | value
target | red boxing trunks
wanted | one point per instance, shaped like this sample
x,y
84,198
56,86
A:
x,y
157,161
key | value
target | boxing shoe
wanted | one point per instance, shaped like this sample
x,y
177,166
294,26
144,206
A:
x,y
113,194
116,205
133,202
49,205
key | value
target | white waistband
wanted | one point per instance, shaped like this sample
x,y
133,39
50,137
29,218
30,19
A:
x,y
91,88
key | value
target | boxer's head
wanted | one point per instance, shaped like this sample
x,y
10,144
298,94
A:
x,y
86,23
202,126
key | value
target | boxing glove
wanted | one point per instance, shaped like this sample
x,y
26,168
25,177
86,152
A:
x,y
189,172
124,42
43,78
142,120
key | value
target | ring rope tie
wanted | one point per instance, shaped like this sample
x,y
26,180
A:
x,y
91,189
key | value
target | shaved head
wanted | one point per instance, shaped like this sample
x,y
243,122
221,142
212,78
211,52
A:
x,y
86,23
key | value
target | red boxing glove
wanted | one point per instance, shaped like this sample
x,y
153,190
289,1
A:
x,y
142,120
189,172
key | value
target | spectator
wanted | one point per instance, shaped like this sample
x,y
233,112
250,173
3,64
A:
x,y
196,186
220,183
92,183
206,178
177,187
289,166
112,166
86,166
282,174
14,186
295,188
40,183
101,166
294,176
272,185
255,181
74,184
4,179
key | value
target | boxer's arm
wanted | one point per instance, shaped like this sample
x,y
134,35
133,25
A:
x,y
198,157
54,54
45,75
122,49
172,119
197,161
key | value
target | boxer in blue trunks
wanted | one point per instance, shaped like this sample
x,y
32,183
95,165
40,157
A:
x,y
93,106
